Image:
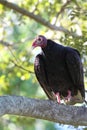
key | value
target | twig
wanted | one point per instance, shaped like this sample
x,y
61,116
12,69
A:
x,y
62,10
6,43
16,59
21,67
35,6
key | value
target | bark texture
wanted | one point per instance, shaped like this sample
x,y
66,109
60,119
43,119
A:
x,y
43,109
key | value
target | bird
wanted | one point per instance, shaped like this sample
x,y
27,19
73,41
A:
x,y
59,71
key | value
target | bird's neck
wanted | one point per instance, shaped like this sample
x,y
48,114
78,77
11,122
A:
x,y
48,46
53,50
49,49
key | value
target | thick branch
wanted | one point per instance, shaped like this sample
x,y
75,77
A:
x,y
43,109
37,18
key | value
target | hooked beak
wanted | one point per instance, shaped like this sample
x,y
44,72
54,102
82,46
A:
x,y
33,46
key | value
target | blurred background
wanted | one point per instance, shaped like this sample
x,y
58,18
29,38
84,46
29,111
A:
x,y
17,32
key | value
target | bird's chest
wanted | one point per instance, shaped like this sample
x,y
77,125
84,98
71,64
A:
x,y
56,70
55,66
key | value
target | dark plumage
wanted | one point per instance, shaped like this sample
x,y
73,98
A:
x,y
59,71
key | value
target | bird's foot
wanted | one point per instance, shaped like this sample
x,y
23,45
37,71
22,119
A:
x,y
68,98
57,97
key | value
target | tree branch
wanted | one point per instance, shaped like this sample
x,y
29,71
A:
x,y
37,18
21,67
62,9
43,109
6,43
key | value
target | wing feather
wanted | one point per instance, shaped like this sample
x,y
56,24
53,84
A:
x,y
75,69
41,74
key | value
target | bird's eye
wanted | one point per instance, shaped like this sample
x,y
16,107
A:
x,y
40,40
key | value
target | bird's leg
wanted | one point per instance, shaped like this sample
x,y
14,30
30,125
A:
x,y
58,97
68,96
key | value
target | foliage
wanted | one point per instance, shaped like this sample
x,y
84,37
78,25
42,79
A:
x,y
16,62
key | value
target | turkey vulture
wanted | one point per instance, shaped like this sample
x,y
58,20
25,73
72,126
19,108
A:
x,y
59,71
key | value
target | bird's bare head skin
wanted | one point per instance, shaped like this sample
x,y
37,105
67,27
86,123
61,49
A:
x,y
40,41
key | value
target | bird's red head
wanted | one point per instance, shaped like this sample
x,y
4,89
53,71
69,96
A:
x,y
40,41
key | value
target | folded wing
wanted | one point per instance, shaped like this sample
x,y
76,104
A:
x,y
75,70
41,74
